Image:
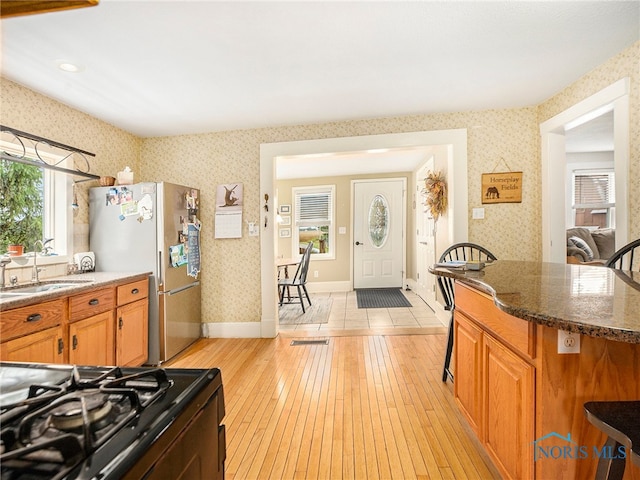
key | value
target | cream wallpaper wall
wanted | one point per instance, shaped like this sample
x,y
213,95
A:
x,y
625,64
26,110
231,268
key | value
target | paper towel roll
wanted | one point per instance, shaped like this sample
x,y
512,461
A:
x,y
86,261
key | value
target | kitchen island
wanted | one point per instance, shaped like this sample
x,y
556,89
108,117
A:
x,y
524,399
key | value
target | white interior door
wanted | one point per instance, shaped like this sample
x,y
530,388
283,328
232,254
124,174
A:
x,y
425,241
378,233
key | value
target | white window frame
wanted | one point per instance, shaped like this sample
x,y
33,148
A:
x,y
57,211
609,207
330,222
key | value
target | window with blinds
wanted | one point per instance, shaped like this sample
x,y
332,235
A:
x,y
314,218
593,198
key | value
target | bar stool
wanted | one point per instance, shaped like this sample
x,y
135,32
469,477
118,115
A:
x,y
621,422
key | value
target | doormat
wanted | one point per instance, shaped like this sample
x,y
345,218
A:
x,y
318,312
381,298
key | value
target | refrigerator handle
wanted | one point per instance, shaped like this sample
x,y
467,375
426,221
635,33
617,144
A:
x,y
159,270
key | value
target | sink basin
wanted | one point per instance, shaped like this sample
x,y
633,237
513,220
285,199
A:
x,y
40,287
4,295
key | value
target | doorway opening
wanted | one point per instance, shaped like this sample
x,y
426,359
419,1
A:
x,y
455,142
614,98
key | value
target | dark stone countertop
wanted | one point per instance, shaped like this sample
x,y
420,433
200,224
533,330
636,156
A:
x,y
590,300
85,282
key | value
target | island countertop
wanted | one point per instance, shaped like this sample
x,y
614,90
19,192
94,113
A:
x,y
590,300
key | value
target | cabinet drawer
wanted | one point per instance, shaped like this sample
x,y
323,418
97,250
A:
x,y
91,303
517,333
25,320
133,291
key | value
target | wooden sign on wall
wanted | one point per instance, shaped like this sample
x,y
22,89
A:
x,y
504,187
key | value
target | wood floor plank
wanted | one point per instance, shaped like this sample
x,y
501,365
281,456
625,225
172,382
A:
x,y
361,407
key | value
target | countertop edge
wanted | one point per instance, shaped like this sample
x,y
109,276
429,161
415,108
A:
x,y
93,280
539,318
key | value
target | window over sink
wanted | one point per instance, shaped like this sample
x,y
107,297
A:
x,y
36,203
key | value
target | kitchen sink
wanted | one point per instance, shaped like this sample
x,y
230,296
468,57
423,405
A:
x,y
45,286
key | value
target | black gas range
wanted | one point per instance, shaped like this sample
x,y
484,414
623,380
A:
x,y
73,422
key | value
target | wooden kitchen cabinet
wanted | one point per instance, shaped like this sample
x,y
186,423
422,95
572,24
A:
x,y
132,324
509,409
468,376
104,326
46,346
91,340
91,327
33,333
495,380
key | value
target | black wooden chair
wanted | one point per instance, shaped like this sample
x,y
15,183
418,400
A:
x,y
623,258
621,422
299,280
457,252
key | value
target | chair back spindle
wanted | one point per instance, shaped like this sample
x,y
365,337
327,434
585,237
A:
x,y
466,252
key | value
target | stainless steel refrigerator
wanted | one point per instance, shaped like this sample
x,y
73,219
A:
x,y
153,227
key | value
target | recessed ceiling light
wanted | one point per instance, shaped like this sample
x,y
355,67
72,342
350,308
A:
x,y
69,66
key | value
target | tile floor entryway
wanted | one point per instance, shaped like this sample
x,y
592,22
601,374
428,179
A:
x,y
345,315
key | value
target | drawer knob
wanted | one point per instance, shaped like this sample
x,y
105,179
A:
x,y
34,317
94,301
135,291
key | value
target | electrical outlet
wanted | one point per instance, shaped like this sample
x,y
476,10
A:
x,y
568,342
315,274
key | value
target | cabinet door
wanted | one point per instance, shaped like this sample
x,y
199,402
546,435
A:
x,y
468,372
509,409
91,340
132,334
46,347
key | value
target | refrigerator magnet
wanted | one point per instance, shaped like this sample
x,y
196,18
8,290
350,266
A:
x,y
145,207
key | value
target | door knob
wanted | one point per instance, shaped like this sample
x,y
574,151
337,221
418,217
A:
x,y
358,243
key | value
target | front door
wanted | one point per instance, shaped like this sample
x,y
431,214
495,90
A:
x,y
378,233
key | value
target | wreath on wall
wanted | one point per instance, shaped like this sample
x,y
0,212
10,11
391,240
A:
x,y
435,191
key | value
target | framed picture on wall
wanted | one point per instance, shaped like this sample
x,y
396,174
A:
x,y
285,232
286,220
285,208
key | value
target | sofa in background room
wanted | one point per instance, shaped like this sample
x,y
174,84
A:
x,y
590,246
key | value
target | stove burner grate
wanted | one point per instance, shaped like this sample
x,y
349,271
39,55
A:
x,y
65,424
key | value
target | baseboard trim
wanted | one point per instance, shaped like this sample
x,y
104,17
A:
x,y
232,330
328,287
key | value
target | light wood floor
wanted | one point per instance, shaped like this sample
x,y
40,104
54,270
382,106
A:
x,y
362,407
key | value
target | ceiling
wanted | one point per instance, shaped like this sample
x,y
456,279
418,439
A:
x,y
168,67
158,68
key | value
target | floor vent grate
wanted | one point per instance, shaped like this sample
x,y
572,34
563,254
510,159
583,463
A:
x,y
315,341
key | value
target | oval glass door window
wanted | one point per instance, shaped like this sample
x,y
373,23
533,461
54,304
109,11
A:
x,y
378,221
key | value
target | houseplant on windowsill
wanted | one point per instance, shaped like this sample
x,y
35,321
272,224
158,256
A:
x,y
15,250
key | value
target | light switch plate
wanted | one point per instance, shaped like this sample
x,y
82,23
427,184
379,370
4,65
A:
x,y
478,213
254,231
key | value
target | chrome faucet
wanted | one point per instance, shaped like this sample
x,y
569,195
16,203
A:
x,y
4,261
35,271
